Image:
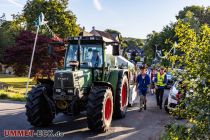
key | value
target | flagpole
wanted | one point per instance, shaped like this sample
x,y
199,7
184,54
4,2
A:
x,y
32,58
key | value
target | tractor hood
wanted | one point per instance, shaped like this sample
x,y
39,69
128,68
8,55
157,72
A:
x,y
71,79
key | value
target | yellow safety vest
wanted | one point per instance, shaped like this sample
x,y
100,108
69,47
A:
x,y
160,79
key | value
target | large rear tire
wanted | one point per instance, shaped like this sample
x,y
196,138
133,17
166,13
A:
x,y
121,101
100,109
39,110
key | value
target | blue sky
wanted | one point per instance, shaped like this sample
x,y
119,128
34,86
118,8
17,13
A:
x,y
133,18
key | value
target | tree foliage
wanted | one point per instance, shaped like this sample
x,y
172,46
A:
x,y
60,20
15,40
111,31
163,40
7,36
19,55
137,59
199,14
8,32
194,15
196,49
133,42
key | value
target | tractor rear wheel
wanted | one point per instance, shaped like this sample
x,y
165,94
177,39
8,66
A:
x,y
100,109
39,110
121,101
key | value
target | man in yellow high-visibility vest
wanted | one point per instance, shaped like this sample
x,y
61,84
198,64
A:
x,y
160,80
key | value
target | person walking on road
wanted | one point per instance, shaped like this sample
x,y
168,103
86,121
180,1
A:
x,y
152,77
142,83
160,80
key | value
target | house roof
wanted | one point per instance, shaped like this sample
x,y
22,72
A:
x,y
113,37
84,33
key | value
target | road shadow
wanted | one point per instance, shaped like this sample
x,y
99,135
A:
x,y
147,124
76,128
12,102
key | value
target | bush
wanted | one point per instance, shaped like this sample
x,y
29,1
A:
x,y
196,58
3,96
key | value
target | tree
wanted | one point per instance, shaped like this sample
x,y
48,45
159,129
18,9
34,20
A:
x,y
60,20
199,14
193,15
8,32
163,40
150,46
140,43
132,42
111,31
2,19
7,36
196,49
19,55
137,59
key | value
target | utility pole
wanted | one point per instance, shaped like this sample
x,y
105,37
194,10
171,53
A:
x,y
38,24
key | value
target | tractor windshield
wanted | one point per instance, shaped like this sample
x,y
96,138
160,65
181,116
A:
x,y
90,55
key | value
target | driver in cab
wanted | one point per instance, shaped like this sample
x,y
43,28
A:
x,y
96,60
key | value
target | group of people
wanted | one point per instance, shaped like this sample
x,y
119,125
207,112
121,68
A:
x,y
155,81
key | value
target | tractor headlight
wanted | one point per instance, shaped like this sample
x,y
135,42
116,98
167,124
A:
x,y
57,90
70,90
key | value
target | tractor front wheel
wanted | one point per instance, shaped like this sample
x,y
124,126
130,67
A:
x,y
100,109
39,110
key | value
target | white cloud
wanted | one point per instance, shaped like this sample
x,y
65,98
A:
x,y
15,3
97,5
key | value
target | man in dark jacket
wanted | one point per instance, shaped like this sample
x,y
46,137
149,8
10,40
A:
x,y
142,83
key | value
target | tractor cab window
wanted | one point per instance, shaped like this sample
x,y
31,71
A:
x,y
72,54
90,55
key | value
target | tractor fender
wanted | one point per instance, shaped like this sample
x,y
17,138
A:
x,y
114,76
107,84
124,72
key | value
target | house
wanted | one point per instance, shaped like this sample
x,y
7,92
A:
x,y
111,37
133,52
4,69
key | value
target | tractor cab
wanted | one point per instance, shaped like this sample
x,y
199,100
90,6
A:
x,y
88,53
92,55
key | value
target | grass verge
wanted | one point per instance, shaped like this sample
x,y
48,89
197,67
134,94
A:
x,y
13,96
14,88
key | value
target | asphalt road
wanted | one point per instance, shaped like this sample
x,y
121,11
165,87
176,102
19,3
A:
x,y
145,125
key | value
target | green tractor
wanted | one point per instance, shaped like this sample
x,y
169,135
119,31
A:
x,y
90,81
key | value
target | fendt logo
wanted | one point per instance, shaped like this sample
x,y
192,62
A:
x,y
63,78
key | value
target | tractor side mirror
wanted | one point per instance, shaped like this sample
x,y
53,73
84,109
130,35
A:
x,y
50,49
116,50
52,45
